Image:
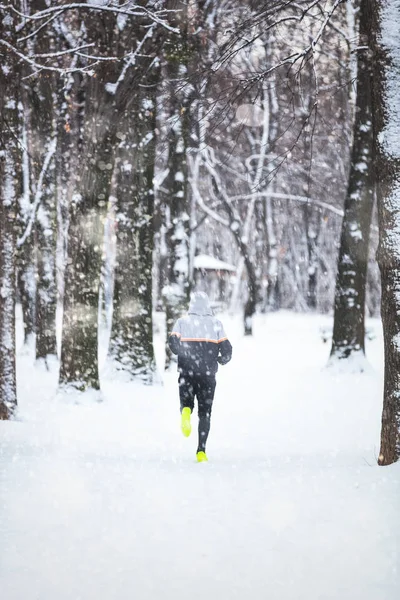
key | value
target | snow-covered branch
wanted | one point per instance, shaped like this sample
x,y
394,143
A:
x,y
113,87
45,67
296,198
39,192
77,49
133,10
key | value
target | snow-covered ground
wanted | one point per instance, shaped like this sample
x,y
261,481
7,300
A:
x,y
104,501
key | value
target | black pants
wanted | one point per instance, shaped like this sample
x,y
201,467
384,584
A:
x,y
202,387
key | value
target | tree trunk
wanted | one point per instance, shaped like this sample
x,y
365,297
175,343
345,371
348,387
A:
x,y
8,394
131,344
176,292
271,302
46,288
349,319
70,124
25,259
79,354
107,97
251,302
311,228
26,288
43,146
9,158
384,23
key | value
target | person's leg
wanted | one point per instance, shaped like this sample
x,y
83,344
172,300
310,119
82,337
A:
x,y
204,389
186,397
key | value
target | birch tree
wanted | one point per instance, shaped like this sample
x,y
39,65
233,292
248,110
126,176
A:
x,y
26,263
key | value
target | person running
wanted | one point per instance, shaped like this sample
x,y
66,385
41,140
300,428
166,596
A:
x,y
200,342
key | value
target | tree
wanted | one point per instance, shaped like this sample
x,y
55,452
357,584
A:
x,y
107,95
131,345
349,319
384,37
175,186
42,151
26,264
9,157
79,347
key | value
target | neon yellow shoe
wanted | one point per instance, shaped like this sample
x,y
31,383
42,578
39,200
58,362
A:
x,y
201,457
185,421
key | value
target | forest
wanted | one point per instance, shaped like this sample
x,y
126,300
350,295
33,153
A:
x,y
138,138
237,156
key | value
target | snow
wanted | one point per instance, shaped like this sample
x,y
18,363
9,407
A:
x,y
98,2
179,176
362,167
206,262
250,115
105,500
390,40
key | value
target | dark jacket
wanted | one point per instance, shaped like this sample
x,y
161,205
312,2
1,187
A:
x,y
199,339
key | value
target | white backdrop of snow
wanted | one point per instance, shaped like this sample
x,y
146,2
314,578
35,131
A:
x,y
106,501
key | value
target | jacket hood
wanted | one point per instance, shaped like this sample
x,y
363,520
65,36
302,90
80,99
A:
x,y
200,305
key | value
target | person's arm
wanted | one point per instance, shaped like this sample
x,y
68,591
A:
x,y
224,347
174,338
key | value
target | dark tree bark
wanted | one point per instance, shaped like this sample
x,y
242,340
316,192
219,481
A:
x,y
349,319
384,31
26,288
311,227
272,300
9,158
43,155
25,259
251,302
79,358
131,344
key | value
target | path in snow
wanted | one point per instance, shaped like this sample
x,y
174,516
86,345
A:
x,y
105,501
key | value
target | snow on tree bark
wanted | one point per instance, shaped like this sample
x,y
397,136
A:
x,y
349,319
384,22
8,211
25,259
271,301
